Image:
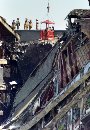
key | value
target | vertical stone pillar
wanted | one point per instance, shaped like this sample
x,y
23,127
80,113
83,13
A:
x,y
53,113
43,123
59,59
69,62
61,72
71,118
75,68
89,55
65,76
81,107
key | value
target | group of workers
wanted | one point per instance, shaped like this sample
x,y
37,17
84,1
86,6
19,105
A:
x,y
16,24
27,24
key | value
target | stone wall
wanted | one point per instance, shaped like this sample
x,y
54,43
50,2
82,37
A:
x,y
85,27
83,55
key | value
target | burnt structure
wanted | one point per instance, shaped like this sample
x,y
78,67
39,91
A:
x,y
56,94
17,60
7,38
6,32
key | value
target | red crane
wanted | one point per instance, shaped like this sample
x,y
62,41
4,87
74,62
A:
x,y
48,32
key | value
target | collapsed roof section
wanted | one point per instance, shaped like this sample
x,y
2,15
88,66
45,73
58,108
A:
x,y
41,74
6,32
81,18
81,13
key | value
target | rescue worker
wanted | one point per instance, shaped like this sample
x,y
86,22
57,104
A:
x,y
30,24
37,23
26,24
17,23
13,25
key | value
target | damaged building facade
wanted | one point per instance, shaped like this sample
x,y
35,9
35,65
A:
x,y
56,95
7,38
17,49
13,56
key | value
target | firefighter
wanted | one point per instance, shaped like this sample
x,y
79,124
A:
x,y
37,23
26,24
30,24
17,23
13,25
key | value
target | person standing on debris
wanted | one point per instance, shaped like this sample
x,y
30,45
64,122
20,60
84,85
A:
x,y
17,23
37,23
13,25
26,24
30,24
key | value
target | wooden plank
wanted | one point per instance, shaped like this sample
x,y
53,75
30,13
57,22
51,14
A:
x,y
2,87
1,113
3,61
8,27
53,103
67,107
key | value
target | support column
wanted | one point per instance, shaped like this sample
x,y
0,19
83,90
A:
x,y
52,113
70,63
59,58
43,122
89,54
65,76
75,69
61,72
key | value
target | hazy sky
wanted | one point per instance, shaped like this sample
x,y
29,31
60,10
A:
x,y
36,9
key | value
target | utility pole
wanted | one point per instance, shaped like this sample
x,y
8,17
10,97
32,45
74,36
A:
x,y
48,8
